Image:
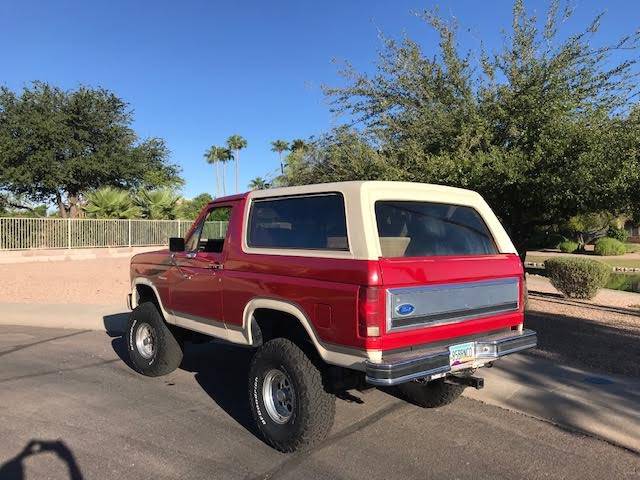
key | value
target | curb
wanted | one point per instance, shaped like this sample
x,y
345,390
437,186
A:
x,y
9,257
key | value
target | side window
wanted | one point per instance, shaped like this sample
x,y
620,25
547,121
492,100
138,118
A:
x,y
209,235
313,222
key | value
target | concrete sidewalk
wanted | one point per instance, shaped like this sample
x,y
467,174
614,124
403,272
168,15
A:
x,y
605,406
81,317
68,254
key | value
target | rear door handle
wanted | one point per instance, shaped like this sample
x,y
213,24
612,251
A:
x,y
215,266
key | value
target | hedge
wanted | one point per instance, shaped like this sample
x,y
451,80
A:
x,y
609,246
568,246
577,277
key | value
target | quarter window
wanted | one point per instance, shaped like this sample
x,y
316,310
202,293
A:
x,y
315,222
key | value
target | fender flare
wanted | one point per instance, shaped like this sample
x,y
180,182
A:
x,y
333,354
134,297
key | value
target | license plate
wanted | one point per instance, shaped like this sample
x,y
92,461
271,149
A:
x,y
462,353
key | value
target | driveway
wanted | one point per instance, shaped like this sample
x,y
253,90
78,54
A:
x,y
71,408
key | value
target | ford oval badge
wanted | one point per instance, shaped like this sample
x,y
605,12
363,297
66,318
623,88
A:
x,y
405,309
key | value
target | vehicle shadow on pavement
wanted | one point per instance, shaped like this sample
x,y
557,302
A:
x,y
599,405
222,371
116,324
14,468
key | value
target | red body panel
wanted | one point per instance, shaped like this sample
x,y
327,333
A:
x,y
326,290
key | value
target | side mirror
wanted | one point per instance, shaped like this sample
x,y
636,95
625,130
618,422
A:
x,y
176,244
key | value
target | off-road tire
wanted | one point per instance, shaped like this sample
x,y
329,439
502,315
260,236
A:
x,y
313,409
432,394
167,351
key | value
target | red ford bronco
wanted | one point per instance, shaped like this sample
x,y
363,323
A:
x,y
336,286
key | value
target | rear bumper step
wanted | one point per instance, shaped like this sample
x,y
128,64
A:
x,y
430,363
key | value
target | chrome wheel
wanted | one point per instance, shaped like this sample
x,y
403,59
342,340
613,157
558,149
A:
x,y
145,341
278,396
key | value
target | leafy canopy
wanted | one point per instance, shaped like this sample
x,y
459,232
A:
x,y
279,146
236,142
56,146
189,209
544,129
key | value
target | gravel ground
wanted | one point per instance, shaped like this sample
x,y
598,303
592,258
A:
x,y
604,298
608,343
90,282
601,334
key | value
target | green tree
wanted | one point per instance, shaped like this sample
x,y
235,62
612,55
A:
x,y
235,143
544,129
161,204
299,144
280,146
56,146
586,228
258,183
19,207
109,202
189,209
340,155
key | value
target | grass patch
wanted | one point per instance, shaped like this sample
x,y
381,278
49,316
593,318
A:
x,y
613,262
632,247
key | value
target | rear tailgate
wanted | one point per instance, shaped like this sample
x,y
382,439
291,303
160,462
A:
x,y
429,299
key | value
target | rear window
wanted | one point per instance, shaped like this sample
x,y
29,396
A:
x,y
422,229
315,222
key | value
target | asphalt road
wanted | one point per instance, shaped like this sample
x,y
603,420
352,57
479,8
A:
x,y
71,408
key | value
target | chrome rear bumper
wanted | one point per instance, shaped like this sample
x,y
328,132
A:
x,y
434,362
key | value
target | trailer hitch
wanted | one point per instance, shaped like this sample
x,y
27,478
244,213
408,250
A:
x,y
467,381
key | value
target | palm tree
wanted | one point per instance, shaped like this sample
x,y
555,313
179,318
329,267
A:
x,y
223,155
258,183
298,144
161,204
109,202
280,146
212,159
236,143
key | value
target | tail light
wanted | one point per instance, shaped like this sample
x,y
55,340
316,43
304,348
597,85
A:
x,y
369,312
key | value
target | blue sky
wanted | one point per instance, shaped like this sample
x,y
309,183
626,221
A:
x,y
196,72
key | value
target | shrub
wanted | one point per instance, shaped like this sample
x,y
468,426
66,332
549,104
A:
x,y
568,246
577,277
609,246
619,234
